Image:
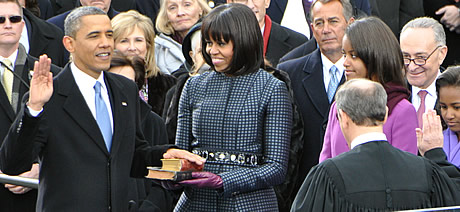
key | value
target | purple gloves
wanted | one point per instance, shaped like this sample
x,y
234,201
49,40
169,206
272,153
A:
x,y
203,180
169,185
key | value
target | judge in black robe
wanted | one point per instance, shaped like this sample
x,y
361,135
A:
x,y
373,175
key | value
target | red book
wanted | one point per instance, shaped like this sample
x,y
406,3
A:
x,y
174,169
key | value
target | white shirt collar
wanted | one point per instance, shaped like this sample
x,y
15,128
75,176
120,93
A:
x,y
327,64
430,99
86,85
12,58
84,80
431,88
368,137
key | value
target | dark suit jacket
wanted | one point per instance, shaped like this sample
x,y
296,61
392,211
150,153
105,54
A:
x,y
281,41
58,20
276,10
452,38
149,8
306,74
396,13
304,49
46,10
145,193
77,173
123,5
61,6
17,202
45,38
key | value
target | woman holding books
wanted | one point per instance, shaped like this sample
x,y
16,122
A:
x,y
237,116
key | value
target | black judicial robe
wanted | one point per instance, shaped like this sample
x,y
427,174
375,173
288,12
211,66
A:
x,y
375,176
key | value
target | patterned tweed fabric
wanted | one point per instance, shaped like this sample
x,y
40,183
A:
x,y
248,114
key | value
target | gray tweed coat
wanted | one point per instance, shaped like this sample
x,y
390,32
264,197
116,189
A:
x,y
248,114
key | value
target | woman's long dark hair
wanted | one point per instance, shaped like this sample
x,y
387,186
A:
x,y
375,44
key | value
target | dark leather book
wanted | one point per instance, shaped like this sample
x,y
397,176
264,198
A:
x,y
174,170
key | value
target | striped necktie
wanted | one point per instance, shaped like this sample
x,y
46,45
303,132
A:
x,y
7,78
333,83
421,109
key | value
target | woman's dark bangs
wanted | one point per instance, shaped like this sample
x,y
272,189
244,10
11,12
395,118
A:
x,y
219,29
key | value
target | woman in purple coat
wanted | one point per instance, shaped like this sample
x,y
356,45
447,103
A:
x,y
448,88
372,51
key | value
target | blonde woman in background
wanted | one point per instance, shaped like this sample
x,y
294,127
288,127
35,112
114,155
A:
x,y
134,36
174,20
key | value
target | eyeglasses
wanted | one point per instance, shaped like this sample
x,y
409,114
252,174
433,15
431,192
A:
x,y
13,19
419,61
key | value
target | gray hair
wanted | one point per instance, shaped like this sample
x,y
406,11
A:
x,y
347,8
364,101
425,23
73,21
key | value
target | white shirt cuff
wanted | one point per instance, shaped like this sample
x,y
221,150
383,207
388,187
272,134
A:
x,y
34,113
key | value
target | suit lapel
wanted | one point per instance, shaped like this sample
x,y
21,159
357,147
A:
x,y
75,105
279,36
5,105
313,82
276,42
38,42
119,104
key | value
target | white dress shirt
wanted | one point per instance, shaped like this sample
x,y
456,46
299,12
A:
x,y
86,85
12,58
24,40
327,64
430,99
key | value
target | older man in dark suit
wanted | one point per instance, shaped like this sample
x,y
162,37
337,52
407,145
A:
x,y
16,64
361,8
423,44
316,76
278,40
83,126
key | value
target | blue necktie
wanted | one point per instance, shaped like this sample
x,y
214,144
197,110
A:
x,y
102,117
332,84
